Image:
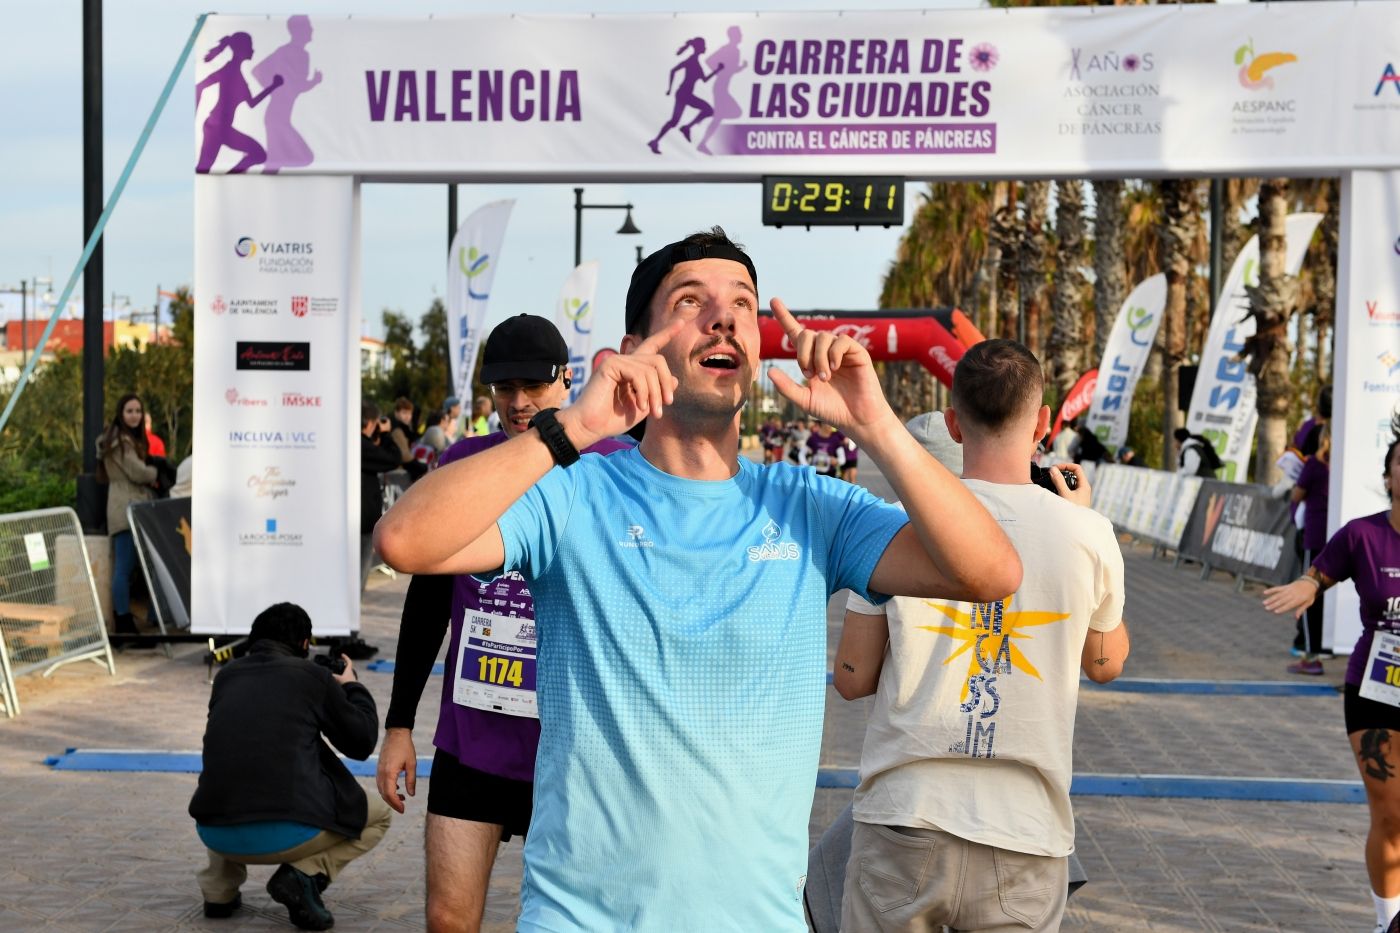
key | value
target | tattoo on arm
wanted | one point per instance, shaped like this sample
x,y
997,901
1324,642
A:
x,y
1102,659
847,667
1372,754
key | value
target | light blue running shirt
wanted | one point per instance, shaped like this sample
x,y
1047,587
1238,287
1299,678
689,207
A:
x,y
682,648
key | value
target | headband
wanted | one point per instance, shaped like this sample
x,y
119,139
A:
x,y
647,277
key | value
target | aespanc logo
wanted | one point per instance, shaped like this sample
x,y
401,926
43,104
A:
x,y
1254,66
245,247
474,263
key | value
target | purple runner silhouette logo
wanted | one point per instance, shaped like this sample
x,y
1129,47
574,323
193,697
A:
x,y
724,63
283,76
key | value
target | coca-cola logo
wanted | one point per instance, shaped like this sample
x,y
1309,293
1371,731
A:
x,y
274,355
943,359
860,333
1078,402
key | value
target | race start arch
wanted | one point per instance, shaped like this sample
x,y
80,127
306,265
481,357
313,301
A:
x,y
293,114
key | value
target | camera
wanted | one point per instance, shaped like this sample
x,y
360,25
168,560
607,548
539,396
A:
x,y
334,662
1041,477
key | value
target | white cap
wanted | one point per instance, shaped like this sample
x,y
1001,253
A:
x,y
931,430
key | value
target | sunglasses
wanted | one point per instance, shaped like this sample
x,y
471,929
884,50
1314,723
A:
x,y
532,390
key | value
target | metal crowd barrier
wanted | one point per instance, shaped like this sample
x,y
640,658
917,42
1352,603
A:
x,y
49,613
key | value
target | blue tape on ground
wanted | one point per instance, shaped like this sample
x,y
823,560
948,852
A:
x,y
112,759
387,667
1267,688
1172,785
1092,785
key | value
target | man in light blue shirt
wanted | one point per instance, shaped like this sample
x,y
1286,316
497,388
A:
x,y
681,596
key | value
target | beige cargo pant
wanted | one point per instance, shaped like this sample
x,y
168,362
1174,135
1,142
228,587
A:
x,y
324,853
919,880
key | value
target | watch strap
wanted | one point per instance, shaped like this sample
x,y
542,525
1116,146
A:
x,y
552,433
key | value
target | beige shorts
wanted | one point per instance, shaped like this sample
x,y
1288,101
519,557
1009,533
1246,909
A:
x,y
909,879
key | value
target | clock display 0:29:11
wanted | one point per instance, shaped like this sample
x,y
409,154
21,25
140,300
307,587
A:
x,y
833,200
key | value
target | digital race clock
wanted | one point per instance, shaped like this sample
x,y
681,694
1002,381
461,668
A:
x,y
832,200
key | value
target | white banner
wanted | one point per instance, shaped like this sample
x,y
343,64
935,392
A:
x,y
471,268
1223,404
1124,356
1365,367
1051,92
276,396
573,315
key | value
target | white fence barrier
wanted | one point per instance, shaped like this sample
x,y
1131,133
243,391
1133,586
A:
x,y
49,613
1152,505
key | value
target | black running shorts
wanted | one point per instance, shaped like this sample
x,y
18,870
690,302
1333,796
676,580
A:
x,y
461,793
1362,714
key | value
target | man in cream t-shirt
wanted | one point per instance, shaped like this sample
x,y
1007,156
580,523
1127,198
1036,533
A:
x,y
962,814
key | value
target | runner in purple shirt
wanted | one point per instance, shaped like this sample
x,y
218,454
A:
x,y
825,451
1367,551
1311,489
488,731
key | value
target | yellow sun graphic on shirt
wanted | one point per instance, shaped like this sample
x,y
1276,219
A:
x,y
985,640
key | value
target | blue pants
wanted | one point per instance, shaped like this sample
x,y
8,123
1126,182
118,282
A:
x,y
123,563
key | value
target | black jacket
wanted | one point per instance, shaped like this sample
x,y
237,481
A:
x,y
264,758
374,459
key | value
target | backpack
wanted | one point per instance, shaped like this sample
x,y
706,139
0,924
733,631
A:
x,y
1210,460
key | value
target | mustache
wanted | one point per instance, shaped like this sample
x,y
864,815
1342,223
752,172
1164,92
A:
x,y
729,342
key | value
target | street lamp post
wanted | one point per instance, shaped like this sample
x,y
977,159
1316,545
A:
x,y
628,227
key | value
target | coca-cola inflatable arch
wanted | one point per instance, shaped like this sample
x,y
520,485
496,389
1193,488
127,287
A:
x,y
935,338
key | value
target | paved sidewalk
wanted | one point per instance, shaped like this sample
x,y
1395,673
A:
x,y
115,851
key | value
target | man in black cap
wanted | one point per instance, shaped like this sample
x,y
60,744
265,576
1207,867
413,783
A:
x,y
488,730
682,594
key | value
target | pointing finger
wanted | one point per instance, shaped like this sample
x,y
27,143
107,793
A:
x,y
662,337
791,325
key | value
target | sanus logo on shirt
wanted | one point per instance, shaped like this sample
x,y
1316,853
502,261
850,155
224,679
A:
x,y
771,548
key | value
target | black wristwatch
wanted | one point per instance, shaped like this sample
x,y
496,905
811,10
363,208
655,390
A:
x,y
552,433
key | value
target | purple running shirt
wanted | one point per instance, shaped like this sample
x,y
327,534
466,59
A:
x,y
1367,552
497,743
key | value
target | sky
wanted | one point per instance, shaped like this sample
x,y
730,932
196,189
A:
x,y
149,241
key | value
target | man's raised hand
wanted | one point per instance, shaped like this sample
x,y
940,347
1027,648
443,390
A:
x,y
623,390
841,387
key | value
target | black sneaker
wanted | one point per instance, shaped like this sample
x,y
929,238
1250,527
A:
x,y
223,911
301,895
357,649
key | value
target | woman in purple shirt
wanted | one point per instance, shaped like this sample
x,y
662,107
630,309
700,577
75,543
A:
x,y
1311,489
1367,551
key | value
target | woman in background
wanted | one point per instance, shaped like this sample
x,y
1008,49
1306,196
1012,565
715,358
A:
x,y
124,465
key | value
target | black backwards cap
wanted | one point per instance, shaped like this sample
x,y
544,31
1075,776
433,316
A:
x,y
646,278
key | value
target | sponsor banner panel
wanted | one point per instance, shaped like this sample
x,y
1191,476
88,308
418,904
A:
x,y
574,317
1124,356
1241,529
972,93
1366,393
1223,402
276,500
164,534
471,268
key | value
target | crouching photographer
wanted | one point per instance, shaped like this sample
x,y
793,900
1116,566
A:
x,y
271,791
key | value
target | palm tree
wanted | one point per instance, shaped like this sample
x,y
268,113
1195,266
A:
x,y
1064,351
1031,272
1110,266
1180,203
1007,234
1271,305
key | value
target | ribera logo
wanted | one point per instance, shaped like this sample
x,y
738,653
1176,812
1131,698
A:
x,y
273,355
234,397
